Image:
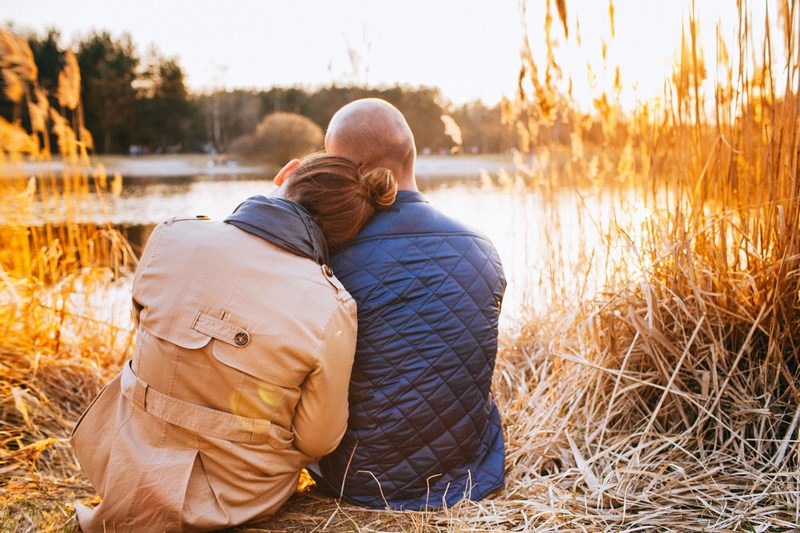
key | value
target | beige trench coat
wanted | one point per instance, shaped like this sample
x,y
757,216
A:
x,y
239,379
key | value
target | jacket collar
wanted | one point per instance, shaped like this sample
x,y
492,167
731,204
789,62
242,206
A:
x,y
283,223
409,197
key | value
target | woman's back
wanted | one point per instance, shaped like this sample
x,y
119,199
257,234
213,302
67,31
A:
x,y
244,347
208,417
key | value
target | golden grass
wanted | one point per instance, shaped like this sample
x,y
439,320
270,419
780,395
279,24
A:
x,y
56,349
659,392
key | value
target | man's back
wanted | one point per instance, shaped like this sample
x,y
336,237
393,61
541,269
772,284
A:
x,y
423,428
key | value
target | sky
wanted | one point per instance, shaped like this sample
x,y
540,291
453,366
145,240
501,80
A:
x,y
470,49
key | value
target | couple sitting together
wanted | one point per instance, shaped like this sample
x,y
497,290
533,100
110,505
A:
x,y
304,332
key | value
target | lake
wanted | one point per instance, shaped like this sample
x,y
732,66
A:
x,y
546,245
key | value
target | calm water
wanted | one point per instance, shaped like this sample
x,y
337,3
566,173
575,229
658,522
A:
x,y
547,247
498,213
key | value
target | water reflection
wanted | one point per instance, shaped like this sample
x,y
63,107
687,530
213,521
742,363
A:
x,y
153,203
552,248
508,218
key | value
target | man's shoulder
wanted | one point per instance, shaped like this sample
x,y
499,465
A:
x,y
415,220
421,235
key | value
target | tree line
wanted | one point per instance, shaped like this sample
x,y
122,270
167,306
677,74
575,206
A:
x,y
140,103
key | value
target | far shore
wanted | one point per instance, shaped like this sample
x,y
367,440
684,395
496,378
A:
x,y
182,165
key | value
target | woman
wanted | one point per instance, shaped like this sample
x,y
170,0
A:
x,y
244,346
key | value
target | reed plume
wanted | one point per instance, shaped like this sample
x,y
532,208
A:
x,y
57,266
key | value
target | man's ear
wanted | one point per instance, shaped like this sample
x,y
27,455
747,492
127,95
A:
x,y
287,169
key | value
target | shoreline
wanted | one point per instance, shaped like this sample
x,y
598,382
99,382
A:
x,y
195,165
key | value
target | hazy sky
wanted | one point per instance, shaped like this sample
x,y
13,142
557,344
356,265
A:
x,y
468,48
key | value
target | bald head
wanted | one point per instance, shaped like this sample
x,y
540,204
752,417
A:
x,y
372,131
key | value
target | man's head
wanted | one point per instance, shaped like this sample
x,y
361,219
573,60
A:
x,y
373,132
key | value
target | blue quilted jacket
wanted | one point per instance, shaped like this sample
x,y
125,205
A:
x,y
423,428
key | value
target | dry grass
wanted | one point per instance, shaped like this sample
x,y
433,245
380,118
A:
x,y
658,393
56,347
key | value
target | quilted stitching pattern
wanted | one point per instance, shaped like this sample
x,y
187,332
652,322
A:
x,y
423,429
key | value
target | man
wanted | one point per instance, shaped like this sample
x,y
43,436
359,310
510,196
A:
x,y
423,429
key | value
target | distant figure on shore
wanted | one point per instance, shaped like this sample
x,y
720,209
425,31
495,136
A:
x,y
423,430
244,346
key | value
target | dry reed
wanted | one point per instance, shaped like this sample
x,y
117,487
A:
x,y
56,349
669,401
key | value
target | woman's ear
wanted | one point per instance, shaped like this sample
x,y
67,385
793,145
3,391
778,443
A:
x,y
287,169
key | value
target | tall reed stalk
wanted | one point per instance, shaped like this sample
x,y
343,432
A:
x,y
56,265
670,398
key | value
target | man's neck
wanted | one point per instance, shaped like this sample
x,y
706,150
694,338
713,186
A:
x,y
409,184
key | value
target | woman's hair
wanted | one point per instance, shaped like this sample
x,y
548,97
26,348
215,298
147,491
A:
x,y
339,195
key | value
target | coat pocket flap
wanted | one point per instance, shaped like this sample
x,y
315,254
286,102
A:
x,y
177,328
232,347
221,329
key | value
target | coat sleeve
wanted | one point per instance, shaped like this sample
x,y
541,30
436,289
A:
x,y
321,416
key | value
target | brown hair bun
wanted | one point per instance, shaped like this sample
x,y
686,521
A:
x,y
340,196
380,186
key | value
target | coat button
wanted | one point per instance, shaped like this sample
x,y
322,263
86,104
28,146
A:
x,y
241,338
328,271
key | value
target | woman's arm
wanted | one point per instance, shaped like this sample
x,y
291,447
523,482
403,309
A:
x,y
321,416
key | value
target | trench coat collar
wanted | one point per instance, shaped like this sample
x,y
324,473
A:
x,y
283,223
